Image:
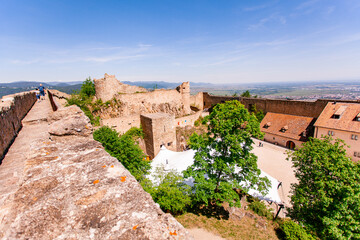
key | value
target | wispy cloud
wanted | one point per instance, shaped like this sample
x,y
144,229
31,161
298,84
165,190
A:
x,y
255,8
227,60
330,10
92,54
307,4
344,40
109,58
263,21
305,8
259,7
25,62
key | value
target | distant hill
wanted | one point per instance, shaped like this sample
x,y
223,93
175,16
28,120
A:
x,y
16,87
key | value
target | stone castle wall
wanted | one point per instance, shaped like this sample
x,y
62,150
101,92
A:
x,y
197,100
210,100
13,109
137,100
168,101
73,189
108,86
292,107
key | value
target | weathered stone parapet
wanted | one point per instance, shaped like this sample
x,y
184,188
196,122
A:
x,y
107,87
13,109
73,189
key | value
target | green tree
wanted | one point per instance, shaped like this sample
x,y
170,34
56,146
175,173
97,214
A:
x,y
87,88
327,196
246,94
225,148
84,98
170,192
259,114
124,149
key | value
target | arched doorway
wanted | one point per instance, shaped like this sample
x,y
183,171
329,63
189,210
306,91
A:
x,y
290,145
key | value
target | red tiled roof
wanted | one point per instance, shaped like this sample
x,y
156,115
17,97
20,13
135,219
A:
x,y
292,126
347,113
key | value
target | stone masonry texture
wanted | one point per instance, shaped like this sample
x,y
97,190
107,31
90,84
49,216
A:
x,y
71,188
13,109
159,129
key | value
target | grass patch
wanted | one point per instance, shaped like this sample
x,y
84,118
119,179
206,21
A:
x,y
229,229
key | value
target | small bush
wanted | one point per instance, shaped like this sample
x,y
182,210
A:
x,y
171,193
260,209
125,150
197,123
290,230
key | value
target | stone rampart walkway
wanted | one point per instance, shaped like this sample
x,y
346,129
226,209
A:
x,y
35,128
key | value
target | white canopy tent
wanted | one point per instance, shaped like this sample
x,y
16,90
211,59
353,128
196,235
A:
x,y
180,161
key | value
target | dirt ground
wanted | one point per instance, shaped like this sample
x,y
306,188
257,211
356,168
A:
x,y
201,234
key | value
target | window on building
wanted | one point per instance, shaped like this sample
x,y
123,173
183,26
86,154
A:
x,y
267,125
354,137
331,133
339,112
355,154
357,118
169,143
358,154
284,128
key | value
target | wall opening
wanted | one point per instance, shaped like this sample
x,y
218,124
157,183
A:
x,y
290,145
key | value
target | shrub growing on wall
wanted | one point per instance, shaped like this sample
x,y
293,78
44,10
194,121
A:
x,y
124,149
87,88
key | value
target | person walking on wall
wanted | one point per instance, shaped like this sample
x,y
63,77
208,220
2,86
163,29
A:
x,y
37,92
42,91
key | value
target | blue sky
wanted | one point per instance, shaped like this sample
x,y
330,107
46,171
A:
x,y
220,41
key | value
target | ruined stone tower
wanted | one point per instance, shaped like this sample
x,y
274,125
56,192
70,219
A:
x,y
184,89
159,129
106,88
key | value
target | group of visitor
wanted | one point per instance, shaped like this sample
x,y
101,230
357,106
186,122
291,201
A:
x,y
40,92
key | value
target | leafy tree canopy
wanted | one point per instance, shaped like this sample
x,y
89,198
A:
x,y
124,149
246,94
327,196
223,150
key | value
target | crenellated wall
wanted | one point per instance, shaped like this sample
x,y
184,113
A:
x,y
13,109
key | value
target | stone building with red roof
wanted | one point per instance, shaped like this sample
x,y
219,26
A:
x,y
341,120
287,130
